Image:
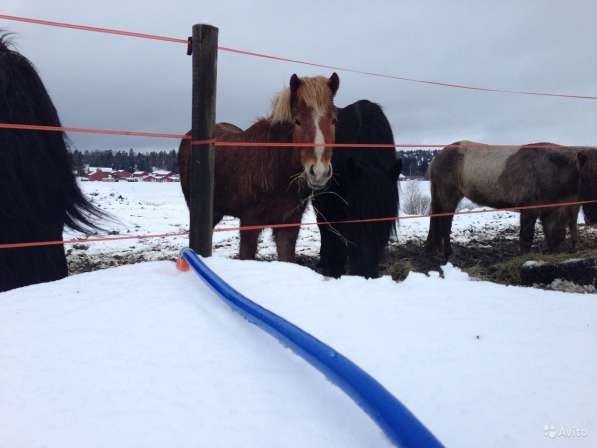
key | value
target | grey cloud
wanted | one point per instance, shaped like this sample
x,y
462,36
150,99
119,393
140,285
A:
x,y
124,83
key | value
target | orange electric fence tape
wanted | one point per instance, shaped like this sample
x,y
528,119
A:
x,y
39,127
225,144
301,224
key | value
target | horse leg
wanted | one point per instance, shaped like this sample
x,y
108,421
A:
x,y
286,243
445,223
554,226
364,259
573,226
444,199
248,240
528,218
339,241
367,252
286,237
446,231
432,245
332,253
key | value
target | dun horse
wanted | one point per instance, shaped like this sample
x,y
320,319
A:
x,y
38,192
515,176
264,186
364,186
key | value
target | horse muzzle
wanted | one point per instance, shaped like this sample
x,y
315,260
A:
x,y
318,180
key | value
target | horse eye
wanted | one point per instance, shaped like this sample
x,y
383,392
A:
x,y
297,122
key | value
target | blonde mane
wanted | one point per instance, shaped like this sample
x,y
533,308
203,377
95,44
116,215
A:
x,y
314,91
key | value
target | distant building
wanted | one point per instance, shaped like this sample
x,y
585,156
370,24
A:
x,y
161,173
98,176
121,175
92,169
103,174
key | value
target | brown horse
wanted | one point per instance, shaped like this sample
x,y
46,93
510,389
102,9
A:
x,y
514,176
263,186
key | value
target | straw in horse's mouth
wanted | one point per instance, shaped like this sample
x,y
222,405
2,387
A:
x,y
330,226
298,178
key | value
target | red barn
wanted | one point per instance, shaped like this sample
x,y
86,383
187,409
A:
x,y
98,176
121,175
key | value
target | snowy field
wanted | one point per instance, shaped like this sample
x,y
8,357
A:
x,y
144,355
150,208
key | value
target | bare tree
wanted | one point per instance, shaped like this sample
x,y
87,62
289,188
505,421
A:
x,y
413,200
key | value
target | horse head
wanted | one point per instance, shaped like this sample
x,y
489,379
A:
x,y
308,106
587,188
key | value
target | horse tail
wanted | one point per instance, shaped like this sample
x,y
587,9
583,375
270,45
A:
x,y
80,214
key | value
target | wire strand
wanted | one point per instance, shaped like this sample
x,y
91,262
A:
x,y
224,144
288,225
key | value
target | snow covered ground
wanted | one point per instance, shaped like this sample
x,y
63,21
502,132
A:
x,y
145,355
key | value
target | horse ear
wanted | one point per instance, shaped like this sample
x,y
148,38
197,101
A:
x,y
582,159
334,83
295,83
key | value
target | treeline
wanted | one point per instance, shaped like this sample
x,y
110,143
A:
x,y
416,162
122,160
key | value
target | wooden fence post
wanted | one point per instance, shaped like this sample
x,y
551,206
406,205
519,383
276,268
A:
x,y
205,54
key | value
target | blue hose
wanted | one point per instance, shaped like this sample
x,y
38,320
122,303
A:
x,y
397,422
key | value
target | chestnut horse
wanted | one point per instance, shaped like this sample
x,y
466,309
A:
x,y
264,186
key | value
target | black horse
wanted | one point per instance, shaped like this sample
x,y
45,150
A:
x,y
364,186
38,191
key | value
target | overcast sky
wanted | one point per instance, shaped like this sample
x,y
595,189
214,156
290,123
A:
x,y
105,81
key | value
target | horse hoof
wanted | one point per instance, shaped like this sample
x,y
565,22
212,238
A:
x,y
331,273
